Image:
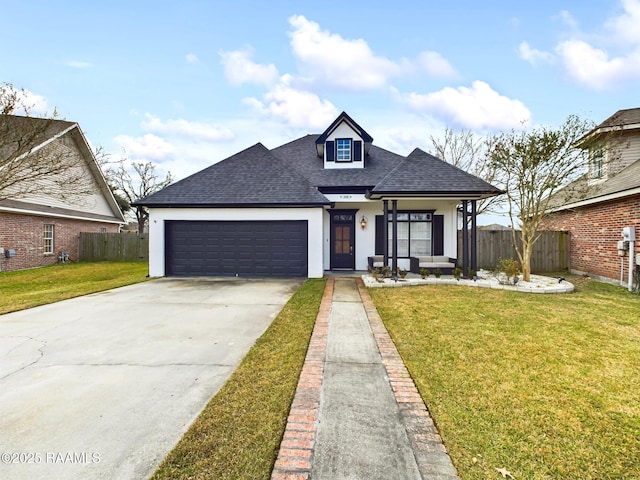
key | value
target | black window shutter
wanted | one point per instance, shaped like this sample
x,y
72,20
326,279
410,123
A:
x,y
379,235
357,150
438,234
330,151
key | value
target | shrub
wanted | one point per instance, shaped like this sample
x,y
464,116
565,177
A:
x,y
457,273
424,273
507,271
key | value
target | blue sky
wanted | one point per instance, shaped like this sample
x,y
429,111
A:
x,y
185,84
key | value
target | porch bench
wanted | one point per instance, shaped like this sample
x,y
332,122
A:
x,y
375,261
445,264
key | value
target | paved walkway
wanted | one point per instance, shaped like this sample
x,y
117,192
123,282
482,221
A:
x,y
357,413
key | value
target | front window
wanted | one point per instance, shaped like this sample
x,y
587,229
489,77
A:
x,y
414,234
343,150
48,238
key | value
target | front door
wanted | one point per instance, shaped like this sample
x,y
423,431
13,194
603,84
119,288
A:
x,y
343,239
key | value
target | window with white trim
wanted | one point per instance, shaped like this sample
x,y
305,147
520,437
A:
x,y
343,150
48,237
414,234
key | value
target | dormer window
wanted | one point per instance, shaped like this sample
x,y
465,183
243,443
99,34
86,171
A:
x,y
343,150
596,164
344,145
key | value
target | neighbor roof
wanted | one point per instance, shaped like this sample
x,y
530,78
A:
x,y
624,183
627,119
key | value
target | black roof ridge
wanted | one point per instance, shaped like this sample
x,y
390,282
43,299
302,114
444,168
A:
x,y
344,116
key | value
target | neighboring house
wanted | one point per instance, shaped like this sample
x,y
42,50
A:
x,y
596,208
317,203
38,225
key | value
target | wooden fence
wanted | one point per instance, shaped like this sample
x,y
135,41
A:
x,y
550,252
129,247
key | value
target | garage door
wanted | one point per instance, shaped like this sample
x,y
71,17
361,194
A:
x,y
249,249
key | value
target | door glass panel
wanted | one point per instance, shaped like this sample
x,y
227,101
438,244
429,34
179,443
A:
x,y
342,241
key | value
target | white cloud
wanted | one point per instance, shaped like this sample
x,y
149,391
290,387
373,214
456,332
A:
x,y
239,68
435,65
593,68
534,56
147,148
183,128
329,60
599,60
476,107
297,108
78,64
28,103
626,26
192,58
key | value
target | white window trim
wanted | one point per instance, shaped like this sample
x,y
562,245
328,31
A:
x,y
46,238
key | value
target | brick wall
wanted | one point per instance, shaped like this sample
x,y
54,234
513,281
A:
x,y
25,234
595,231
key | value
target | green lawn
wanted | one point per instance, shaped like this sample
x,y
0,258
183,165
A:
x,y
39,286
546,386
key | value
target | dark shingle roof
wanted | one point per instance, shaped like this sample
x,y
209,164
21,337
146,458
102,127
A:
x,y
301,155
293,174
627,179
423,173
252,177
629,116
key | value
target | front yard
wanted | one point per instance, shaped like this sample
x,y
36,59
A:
x,y
544,386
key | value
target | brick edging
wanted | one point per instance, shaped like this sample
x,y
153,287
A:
x,y
429,450
296,449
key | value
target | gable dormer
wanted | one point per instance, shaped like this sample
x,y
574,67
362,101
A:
x,y
344,144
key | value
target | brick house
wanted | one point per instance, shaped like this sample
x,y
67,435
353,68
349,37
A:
x,y
36,223
595,208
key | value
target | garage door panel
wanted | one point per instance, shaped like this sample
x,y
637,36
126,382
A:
x,y
256,248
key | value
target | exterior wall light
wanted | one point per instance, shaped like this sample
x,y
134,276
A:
x,y
363,222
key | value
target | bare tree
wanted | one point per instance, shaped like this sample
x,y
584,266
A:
x,y
531,167
134,181
467,151
37,157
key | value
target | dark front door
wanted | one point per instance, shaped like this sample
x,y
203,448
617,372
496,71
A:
x,y
343,239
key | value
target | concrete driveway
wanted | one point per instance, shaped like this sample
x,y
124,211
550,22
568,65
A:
x,y
103,386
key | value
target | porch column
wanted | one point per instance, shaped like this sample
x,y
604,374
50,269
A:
x,y
465,237
394,263
385,229
474,245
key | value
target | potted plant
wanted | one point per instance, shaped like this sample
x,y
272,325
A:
x,y
437,272
424,273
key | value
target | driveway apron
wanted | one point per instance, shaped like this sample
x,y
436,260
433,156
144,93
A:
x,y
103,386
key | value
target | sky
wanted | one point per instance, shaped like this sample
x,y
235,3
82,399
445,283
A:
x,y
184,84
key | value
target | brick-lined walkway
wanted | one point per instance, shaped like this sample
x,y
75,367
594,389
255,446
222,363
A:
x,y
295,458
296,449
431,455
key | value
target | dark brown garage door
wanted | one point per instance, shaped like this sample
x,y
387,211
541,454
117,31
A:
x,y
246,249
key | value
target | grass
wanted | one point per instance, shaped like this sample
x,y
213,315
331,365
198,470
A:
x,y
39,286
238,434
546,386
